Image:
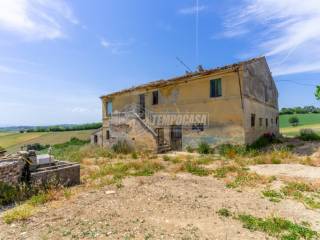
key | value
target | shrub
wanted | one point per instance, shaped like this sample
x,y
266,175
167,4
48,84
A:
x,y
224,212
20,213
264,141
134,155
7,194
203,148
232,151
294,121
2,149
309,135
189,149
122,146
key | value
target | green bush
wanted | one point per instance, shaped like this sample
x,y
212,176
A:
x,y
308,135
264,141
203,148
122,146
294,121
8,194
189,149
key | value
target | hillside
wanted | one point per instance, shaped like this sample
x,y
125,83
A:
x,y
308,120
13,141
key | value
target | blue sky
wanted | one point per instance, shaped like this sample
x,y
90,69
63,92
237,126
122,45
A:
x,y
57,57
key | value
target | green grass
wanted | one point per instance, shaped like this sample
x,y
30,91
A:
x,y
13,141
277,227
304,119
194,169
20,213
310,120
272,195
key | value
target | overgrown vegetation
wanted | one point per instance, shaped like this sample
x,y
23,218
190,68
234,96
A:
x,y
303,193
309,135
203,148
69,151
117,171
20,213
122,146
277,227
224,212
272,195
195,169
7,194
2,149
232,151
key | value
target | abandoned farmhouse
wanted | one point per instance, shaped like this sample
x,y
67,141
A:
x,y
232,104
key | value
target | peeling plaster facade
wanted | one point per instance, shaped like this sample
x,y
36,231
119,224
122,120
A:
x,y
248,94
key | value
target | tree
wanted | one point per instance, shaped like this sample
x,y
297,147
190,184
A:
x,y
317,93
294,120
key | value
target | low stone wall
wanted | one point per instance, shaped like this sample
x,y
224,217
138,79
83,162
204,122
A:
x,y
63,173
10,171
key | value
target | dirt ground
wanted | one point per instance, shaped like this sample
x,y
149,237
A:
x,y
308,173
170,205
162,206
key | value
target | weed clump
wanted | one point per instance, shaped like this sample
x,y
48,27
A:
x,y
122,146
193,168
272,195
309,135
204,148
224,212
277,227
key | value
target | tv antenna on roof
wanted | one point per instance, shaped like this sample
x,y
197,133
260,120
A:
x,y
183,64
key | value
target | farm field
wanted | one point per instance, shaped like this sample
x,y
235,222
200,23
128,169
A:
x,y
310,120
13,141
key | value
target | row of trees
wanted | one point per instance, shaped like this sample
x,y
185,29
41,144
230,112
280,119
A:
x,y
62,128
300,110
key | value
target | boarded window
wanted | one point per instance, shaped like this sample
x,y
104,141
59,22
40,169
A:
x,y
253,120
109,108
260,122
155,98
267,122
215,88
107,135
198,127
271,121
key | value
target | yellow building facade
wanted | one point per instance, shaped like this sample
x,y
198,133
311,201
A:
x,y
238,103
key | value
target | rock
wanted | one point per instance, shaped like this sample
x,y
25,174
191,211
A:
x,y
110,192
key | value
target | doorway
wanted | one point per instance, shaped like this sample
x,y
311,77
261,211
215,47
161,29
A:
x,y
176,137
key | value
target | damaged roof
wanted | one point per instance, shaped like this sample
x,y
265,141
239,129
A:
x,y
161,83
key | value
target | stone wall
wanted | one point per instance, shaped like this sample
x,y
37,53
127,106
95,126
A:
x,y
63,173
10,171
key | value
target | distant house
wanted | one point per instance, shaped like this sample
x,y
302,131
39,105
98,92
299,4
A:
x,y
232,104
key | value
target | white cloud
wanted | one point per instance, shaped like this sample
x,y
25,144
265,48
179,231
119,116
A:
x,y
36,19
79,110
286,31
192,10
117,47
